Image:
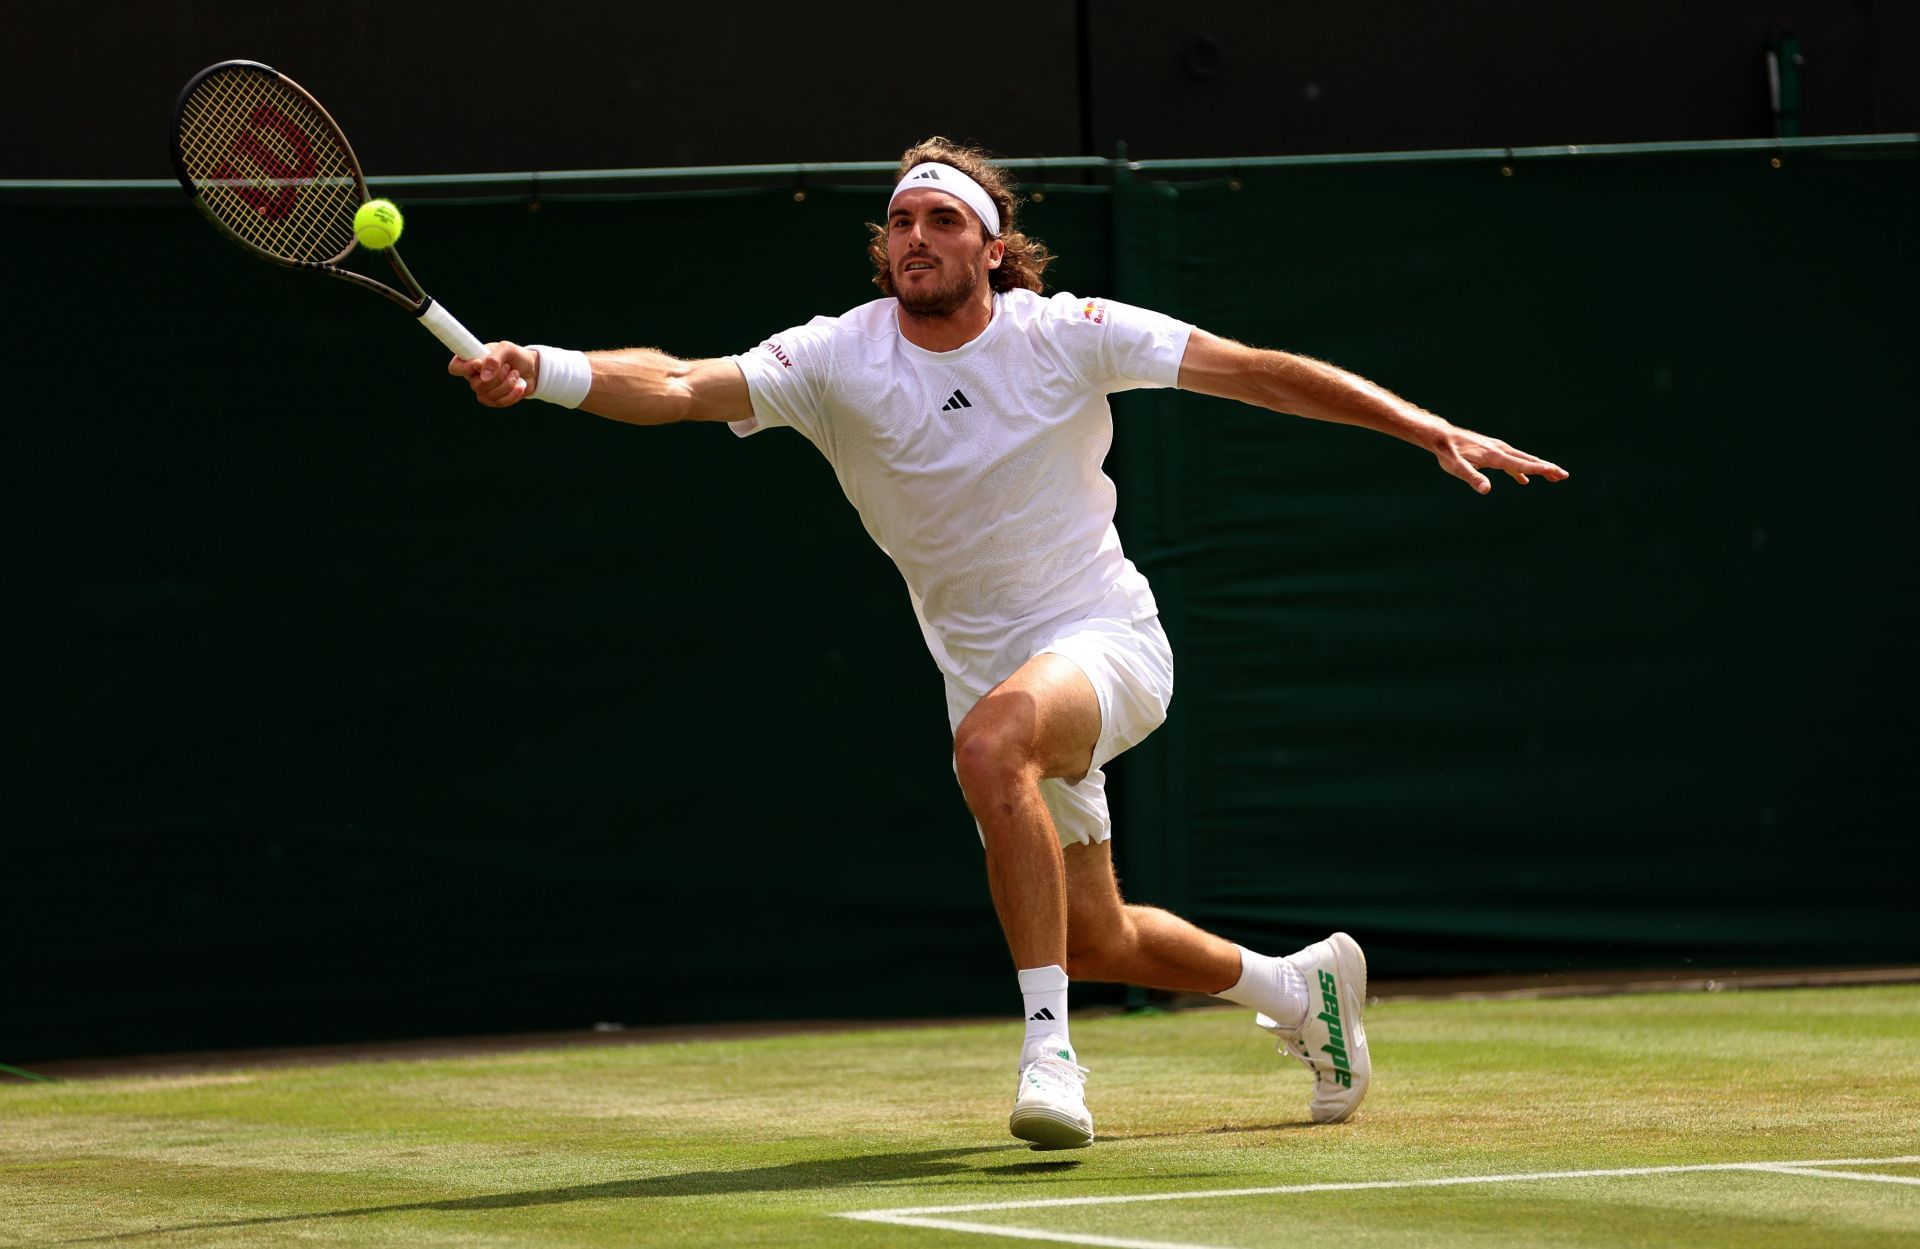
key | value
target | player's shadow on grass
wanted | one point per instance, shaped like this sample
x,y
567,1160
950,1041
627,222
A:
x,y
918,1166
1052,1166
1223,1129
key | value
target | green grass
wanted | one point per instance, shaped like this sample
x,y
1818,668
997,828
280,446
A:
x,y
760,1142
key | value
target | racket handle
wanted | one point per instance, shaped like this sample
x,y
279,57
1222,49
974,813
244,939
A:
x,y
444,326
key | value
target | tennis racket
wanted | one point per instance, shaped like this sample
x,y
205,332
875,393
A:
x,y
271,169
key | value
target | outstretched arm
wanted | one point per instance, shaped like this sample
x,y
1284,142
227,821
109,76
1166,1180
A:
x,y
638,385
1312,388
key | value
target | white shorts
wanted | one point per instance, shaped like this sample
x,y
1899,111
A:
x,y
1131,668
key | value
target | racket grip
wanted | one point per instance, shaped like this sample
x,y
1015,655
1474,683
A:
x,y
444,326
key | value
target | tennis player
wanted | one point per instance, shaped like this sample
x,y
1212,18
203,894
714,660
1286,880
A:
x,y
966,416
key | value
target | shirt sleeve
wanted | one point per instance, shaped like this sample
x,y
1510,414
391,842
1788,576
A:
x,y
787,378
1116,346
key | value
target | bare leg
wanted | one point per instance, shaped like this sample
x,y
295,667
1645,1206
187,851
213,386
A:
x,y
1041,722
1108,939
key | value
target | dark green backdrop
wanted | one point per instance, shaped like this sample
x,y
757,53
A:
x,y
340,707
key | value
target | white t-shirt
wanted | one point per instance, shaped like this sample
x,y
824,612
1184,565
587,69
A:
x,y
978,470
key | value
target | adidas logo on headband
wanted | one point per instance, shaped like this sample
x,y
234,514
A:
x,y
956,184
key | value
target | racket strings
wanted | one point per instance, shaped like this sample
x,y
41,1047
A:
x,y
269,165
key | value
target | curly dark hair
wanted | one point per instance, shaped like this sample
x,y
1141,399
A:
x,y
1026,259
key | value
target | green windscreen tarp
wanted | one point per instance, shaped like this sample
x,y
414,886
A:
x,y
1662,712
340,707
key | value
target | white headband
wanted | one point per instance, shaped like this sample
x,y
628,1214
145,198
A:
x,y
953,182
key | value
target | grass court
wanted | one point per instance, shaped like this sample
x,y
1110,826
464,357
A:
x,y
1751,1118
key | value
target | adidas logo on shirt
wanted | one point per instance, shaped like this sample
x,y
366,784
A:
x,y
955,402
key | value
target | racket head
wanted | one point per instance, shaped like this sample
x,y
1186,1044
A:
x,y
267,164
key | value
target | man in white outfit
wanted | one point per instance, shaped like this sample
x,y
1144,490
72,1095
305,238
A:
x,y
966,418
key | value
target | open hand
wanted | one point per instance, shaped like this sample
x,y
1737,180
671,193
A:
x,y
1464,453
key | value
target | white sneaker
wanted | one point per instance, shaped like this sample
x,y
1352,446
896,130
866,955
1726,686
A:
x,y
1050,1106
1333,1040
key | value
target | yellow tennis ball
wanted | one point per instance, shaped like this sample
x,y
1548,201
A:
x,y
378,224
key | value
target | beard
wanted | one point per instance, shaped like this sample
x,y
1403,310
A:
x,y
944,297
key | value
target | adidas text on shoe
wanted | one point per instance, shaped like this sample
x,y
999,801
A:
x,y
1332,1042
1050,1106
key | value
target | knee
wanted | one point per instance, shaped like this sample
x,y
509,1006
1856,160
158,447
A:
x,y
988,761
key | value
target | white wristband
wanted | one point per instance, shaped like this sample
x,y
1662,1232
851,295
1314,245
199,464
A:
x,y
565,376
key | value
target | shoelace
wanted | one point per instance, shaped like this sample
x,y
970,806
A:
x,y
1046,1069
1298,1048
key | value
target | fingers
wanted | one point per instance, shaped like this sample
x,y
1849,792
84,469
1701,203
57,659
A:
x,y
498,388
1519,465
491,360
494,382
1522,465
1457,465
1469,452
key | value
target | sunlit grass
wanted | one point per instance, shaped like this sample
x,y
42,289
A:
x,y
759,1141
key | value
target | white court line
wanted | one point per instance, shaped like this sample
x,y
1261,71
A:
x,y
1024,1233
922,1216
1784,1169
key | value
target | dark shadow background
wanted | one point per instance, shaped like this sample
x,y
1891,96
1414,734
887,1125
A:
x,y
573,85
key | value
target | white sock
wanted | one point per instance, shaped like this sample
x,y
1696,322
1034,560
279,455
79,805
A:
x,y
1272,986
1045,991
